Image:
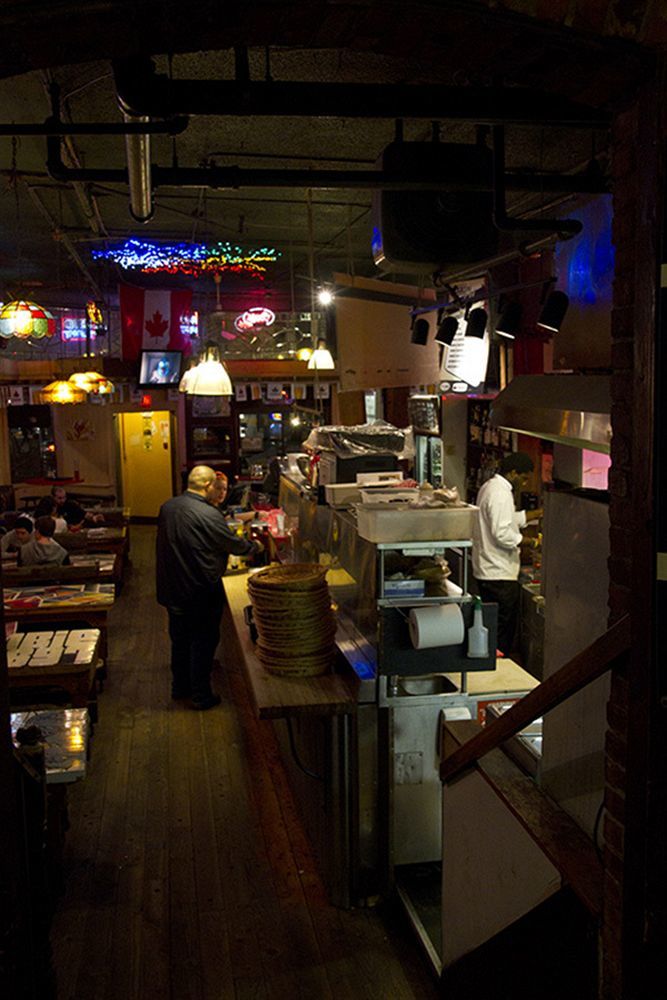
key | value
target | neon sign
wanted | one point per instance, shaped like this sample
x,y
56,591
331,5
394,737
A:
x,y
74,328
254,319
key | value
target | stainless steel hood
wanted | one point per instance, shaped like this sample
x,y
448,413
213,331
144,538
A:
x,y
570,409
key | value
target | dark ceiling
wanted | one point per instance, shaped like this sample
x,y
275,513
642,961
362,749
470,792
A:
x,y
48,228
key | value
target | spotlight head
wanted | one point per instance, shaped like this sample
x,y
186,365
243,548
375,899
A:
x,y
420,331
509,321
477,320
324,297
553,311
447,330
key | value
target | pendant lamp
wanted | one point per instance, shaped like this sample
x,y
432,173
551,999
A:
x,y
321,359
24,319
92,382
62,392
209,377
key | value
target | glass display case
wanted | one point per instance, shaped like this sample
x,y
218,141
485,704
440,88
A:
x,y
32,449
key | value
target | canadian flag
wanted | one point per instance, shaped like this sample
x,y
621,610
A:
x,y
151,318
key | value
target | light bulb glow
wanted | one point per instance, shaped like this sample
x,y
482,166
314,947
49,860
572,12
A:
x,y
194,259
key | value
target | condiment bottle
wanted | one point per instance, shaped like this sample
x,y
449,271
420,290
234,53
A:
x,y
478,635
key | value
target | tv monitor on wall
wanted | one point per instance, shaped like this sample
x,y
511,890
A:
x,y
159,368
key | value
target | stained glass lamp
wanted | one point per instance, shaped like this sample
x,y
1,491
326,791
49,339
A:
x,y
92,382
62,392
24,319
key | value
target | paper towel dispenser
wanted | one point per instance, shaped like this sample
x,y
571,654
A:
x,y
397,654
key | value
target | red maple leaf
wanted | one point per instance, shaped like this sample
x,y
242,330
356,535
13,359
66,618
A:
x,y
156,325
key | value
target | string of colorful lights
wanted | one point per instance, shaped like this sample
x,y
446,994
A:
x,y
188,258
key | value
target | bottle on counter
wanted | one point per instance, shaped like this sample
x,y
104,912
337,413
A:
x,y
478,634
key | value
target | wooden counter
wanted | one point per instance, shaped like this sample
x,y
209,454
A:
x,y
279,697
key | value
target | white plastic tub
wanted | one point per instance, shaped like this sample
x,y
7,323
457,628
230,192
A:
x,y
400,523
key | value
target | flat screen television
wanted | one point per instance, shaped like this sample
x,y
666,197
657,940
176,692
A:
x,y
159,368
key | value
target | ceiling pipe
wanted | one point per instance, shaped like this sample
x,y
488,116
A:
x,y
53,126
233,178
564,228
144,92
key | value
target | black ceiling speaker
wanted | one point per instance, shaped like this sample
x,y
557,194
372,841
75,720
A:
x,y
415,230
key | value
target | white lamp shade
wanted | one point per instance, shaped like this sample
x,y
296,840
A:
x,y
185,380
209,378
321,360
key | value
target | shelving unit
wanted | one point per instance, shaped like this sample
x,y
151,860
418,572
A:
x,y
486,446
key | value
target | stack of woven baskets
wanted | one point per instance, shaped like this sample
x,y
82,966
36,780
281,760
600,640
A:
x,y
294,619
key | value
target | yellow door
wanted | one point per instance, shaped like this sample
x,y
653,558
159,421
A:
x,y
145,460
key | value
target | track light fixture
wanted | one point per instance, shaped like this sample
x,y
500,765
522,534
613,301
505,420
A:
x,y
476,325
553,311
509,320
420,331
447,330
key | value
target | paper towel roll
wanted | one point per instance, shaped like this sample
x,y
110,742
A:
x,y
441,625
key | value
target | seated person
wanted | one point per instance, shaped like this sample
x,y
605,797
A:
x,y
75,538
17,536
64,504
42,549
47,507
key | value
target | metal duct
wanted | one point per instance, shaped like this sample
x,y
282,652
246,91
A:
x,y
569,409
138,153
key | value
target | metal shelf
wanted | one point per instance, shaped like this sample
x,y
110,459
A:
x,y
419,548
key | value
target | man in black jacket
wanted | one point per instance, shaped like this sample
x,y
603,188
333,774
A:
x,y
193,543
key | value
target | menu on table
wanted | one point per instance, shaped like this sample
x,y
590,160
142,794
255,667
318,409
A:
x,y
58,596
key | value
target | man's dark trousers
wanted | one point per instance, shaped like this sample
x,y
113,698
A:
x,y
194,631
506,594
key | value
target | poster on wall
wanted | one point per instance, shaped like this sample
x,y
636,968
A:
x,y
16,395
256,391
241,392
274,392
80,430
466,358
211,406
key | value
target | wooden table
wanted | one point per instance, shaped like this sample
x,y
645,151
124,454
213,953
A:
x,y
103,567
107,539
73,670
89,604
282,697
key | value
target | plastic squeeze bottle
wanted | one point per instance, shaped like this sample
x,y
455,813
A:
x,y
478,635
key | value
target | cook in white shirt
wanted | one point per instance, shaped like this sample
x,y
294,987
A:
x,y
496,540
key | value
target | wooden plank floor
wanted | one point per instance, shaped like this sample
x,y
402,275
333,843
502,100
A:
x,y
188,874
